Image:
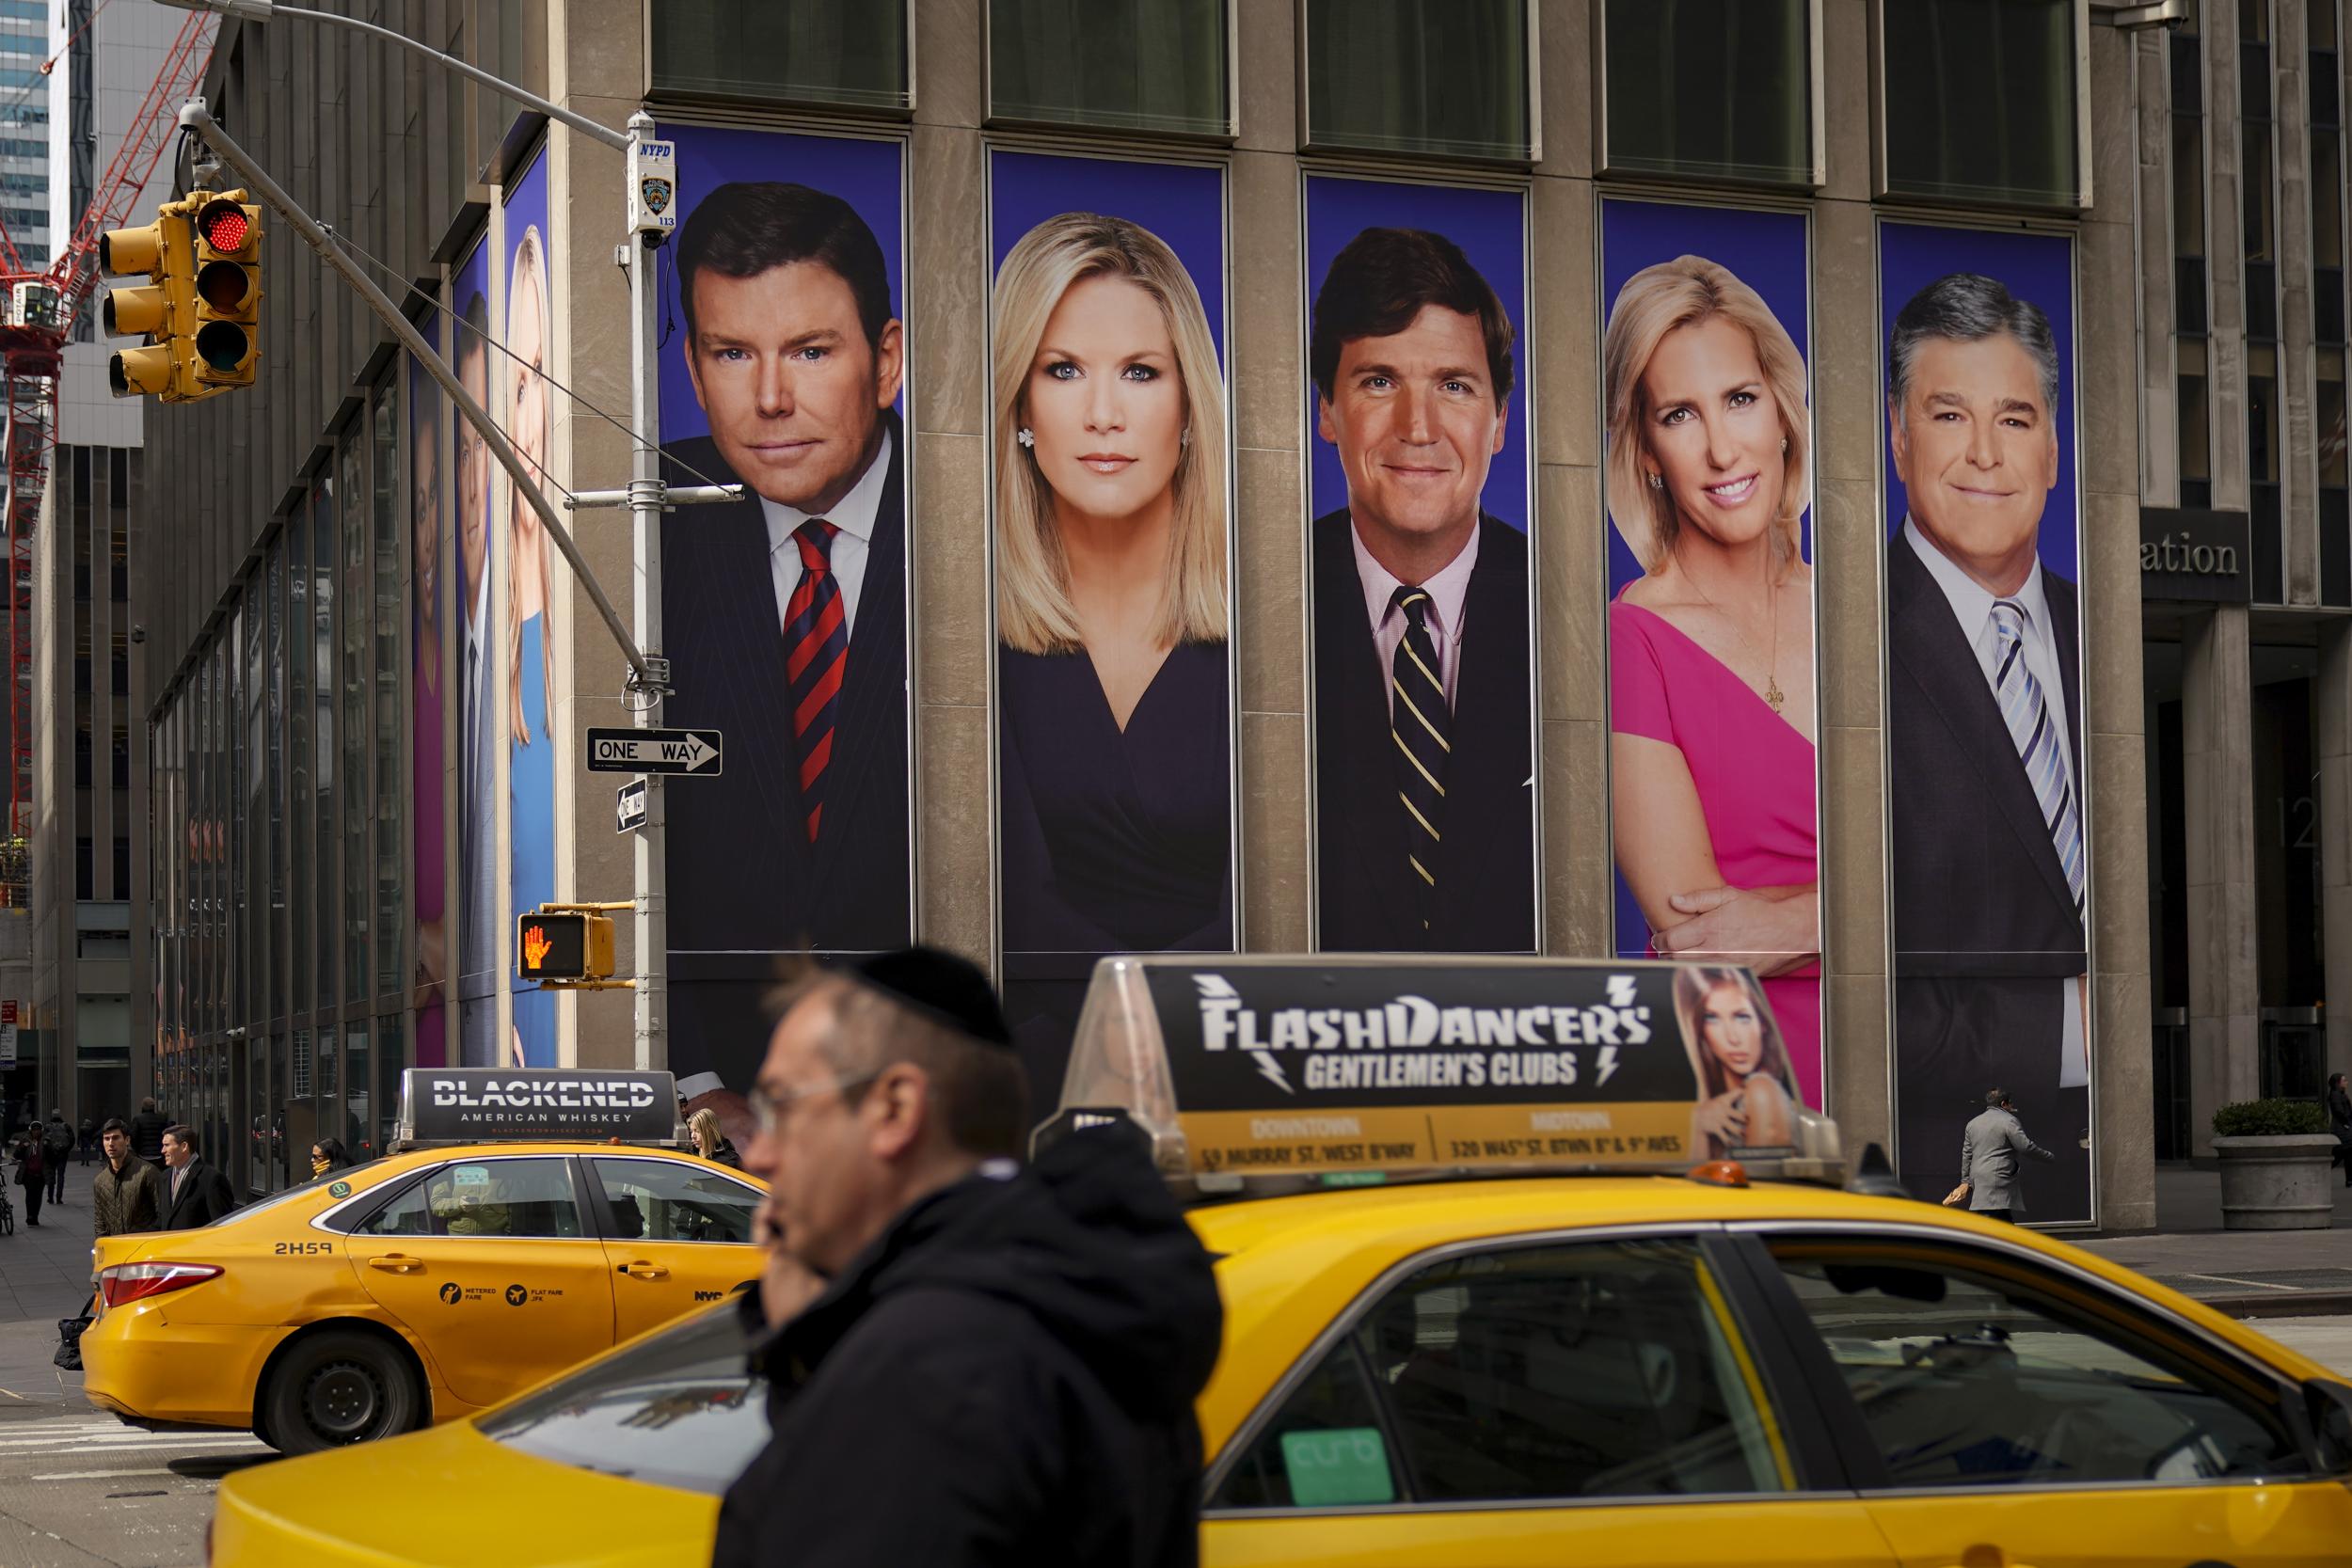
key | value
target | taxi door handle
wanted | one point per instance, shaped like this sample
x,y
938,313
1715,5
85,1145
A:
x,y
395,1262
643,1271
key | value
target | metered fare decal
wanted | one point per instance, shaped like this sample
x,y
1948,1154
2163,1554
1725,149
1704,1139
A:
x,y
1352,1067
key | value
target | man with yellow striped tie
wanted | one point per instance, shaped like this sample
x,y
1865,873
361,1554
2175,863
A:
x,y
1988,853
1425,823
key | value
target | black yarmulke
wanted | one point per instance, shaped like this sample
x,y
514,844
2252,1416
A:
x,y
952,991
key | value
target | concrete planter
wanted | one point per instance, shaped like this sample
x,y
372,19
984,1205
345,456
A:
x,y
2279,1182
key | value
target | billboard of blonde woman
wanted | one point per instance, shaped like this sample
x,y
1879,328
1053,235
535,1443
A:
x,y
1111,519
1711,618
528,622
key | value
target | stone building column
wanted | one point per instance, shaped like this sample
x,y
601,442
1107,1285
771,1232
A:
x,y
2218,788
2332,699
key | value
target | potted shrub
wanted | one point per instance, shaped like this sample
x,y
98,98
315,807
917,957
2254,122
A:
x,y
2275,1168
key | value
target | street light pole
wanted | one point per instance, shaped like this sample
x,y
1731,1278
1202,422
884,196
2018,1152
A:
x,y
646,497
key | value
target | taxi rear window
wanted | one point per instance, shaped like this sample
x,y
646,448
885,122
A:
x,y
678,1409
308,1188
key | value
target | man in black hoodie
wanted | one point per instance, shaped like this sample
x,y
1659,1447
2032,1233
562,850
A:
x,y
998,1364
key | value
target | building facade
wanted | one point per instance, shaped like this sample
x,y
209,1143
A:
x,y
370,674
68,969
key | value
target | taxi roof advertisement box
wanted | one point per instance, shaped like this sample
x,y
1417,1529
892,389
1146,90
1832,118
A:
x,y
482,1104
1314,1067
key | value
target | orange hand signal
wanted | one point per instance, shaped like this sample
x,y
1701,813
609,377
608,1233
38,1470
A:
x,y
535,945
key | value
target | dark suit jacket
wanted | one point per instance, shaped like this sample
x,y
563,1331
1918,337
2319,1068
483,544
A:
x,y
1985,927
205,1197
1486,899
1963,815
744,882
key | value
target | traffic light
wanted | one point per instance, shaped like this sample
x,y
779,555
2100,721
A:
x,y
228,258
163,311
562,945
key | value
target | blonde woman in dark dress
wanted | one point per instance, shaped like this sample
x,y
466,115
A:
x,y
1111,613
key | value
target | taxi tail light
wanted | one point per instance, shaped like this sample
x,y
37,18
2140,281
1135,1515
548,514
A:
x,y
128,1282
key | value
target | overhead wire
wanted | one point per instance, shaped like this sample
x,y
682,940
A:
x,y
409,285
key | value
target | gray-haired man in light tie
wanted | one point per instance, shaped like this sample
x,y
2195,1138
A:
x,y
1989,1153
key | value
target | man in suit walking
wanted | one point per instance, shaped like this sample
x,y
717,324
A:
x,y
785,613
482,939
195,1192
1990,1149
1987,849
1425,820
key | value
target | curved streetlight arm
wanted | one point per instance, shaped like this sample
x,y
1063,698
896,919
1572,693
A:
x,y
262,11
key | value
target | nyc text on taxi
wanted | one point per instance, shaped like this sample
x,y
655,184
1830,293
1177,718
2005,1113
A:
x,y
1451,1356
527,1222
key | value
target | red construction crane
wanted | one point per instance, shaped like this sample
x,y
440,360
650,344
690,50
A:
x,y
37,314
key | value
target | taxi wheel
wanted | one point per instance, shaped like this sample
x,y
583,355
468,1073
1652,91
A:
x,y
337,1388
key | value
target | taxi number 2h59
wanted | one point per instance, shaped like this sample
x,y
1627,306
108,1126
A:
x,y
298,1249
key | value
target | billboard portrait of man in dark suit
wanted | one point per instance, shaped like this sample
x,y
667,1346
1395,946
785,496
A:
x,y
1425,820
1989,865
785,613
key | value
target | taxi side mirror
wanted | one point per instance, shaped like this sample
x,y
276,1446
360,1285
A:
x,y
2329,1405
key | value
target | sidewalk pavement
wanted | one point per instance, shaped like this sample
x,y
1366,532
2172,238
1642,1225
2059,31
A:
x,y
44,1273
2246,1274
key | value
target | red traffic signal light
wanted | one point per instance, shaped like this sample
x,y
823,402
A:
x,y
224,226
227,288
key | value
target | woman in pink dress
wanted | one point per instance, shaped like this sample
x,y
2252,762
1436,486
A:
x,y
1711,649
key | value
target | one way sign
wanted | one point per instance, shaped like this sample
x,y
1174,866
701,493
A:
x,y
654,751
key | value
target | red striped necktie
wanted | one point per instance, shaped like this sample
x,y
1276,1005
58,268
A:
x,y
816,640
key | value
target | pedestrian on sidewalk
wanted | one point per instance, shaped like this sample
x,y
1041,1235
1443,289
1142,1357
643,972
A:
x,y
147,1132
1014,1351
126,1195
88,1142
328,1157
1990,1176
31,1171
58,1149
195,1191
2338,1101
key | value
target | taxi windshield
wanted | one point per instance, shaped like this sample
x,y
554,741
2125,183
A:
x,y
308,1188
679,1408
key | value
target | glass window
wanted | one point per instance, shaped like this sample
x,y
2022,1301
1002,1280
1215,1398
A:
x,y
390,1059
298,757
323,612
1447,78
484,1198
355,597
1981,100
356,1083
676,1409
1601,1370
1713,89
1975,1374
274,729
851,52
1130,64
391,758
668,1200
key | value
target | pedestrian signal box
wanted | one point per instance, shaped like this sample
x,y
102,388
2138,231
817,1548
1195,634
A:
x,y
562,944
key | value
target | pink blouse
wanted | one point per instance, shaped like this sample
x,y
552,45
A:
x,y
1754,774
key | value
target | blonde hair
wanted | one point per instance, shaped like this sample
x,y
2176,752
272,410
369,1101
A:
x,y
1692,985
1655,301
1033,610
704,1124
529,273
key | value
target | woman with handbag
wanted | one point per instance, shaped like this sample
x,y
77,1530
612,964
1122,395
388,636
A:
x,y
32,1172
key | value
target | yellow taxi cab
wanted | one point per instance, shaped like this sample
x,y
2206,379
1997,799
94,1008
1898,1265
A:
x,y
502,1241
1484,1346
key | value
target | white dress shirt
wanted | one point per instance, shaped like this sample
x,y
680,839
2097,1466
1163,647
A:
x,y
1972,606
855,517
1447,589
